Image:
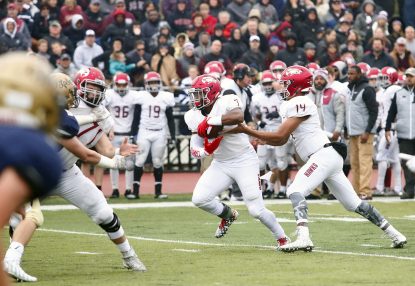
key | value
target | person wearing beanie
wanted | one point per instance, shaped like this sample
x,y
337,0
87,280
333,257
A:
x,y
292,53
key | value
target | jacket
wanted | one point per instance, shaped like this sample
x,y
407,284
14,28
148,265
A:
x,y
403,110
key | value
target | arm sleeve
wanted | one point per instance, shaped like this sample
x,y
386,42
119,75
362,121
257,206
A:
x,y
339,109
369,97
197,148
170,122
247,115
136,120
393,110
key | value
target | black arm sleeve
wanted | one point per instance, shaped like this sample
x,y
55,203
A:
x,y
393,110
369,97
136,120
170,122
247,115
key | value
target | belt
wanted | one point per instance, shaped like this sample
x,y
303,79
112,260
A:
x,y
122,133
154,129
324,146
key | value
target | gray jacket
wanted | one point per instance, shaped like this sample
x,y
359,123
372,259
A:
x,y
403,110
331,109
361,108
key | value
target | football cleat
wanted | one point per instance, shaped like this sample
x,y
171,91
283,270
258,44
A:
x,y
15,270
131,261
161,196
303,242
131,195
398,239
268,194
281,195
225,224
116,194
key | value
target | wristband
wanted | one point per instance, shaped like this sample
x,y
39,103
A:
x,y
85,119
215,120
106,162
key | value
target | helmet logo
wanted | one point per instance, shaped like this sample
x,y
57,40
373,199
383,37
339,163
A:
x,y
293,71
208,79
390,70
84,72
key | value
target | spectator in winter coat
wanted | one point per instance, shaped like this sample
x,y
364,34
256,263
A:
x,y
151,26
76,31
142,60
41,22
255,14
117,63
94,17
170,5
252,29
180,17
215,54
309,29
209,21
236,47
336,11
102,61
239,10
224,18
254,57
204,45
364,20
55,34
402,58
88,50
165,64
178,44
11,38
377,58
292,54
269,14
188,59
164,29
110,19
22,28
69,9
118,29
65,65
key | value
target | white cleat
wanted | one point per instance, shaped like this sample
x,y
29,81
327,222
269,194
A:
x,y
225,224
398,239
131,261
16,271
303,242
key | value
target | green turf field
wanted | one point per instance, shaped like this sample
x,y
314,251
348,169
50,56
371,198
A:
x,y
177,245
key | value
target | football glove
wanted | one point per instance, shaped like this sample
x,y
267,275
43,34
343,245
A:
x,y
210,147
203,127
272,115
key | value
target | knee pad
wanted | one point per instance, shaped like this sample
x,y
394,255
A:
x,y
35,215
282,163
103,216
112,225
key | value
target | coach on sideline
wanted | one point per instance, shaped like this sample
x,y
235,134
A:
x,y
403,110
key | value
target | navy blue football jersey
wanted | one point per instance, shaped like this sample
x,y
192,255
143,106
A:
x,y
32,155
68,126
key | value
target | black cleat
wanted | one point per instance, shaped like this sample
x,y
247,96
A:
x,y
312,197
115,194
132,195
331,197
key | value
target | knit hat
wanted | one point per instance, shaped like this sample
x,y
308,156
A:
x,y
321,72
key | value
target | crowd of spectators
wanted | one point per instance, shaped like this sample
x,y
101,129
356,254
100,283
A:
x,y
169,36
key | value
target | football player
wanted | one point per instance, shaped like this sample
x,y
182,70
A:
x,y
234,158
388,152
154,114
119,100
266,106
324,160
30,165
67,132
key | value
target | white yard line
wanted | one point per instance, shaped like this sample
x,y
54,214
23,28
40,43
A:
x,y
230,244
186,250
190,204
87,253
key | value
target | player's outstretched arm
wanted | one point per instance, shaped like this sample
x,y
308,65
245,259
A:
x,y
278,137
105,147
235,116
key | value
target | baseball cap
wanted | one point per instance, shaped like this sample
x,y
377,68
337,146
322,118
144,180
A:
x,y
410,71
254,38
309,45
65,57
401,41
55,23
90,33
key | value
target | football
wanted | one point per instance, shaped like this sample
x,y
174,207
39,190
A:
x,y
213,131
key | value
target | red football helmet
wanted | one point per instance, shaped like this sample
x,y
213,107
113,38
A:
x,y
313,67
373,76
216,68
401,80
277,67
121,83
90,84
296,80
205,90
152,82
364,67
388,76
267,80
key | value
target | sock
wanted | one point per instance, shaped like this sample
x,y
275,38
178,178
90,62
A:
x,y
15,252
283,189
300,208
124,247
157,188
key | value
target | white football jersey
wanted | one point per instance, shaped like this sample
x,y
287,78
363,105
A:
x,y
233,147
89,134
386,102
153,109
261,103
121,109
308,138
